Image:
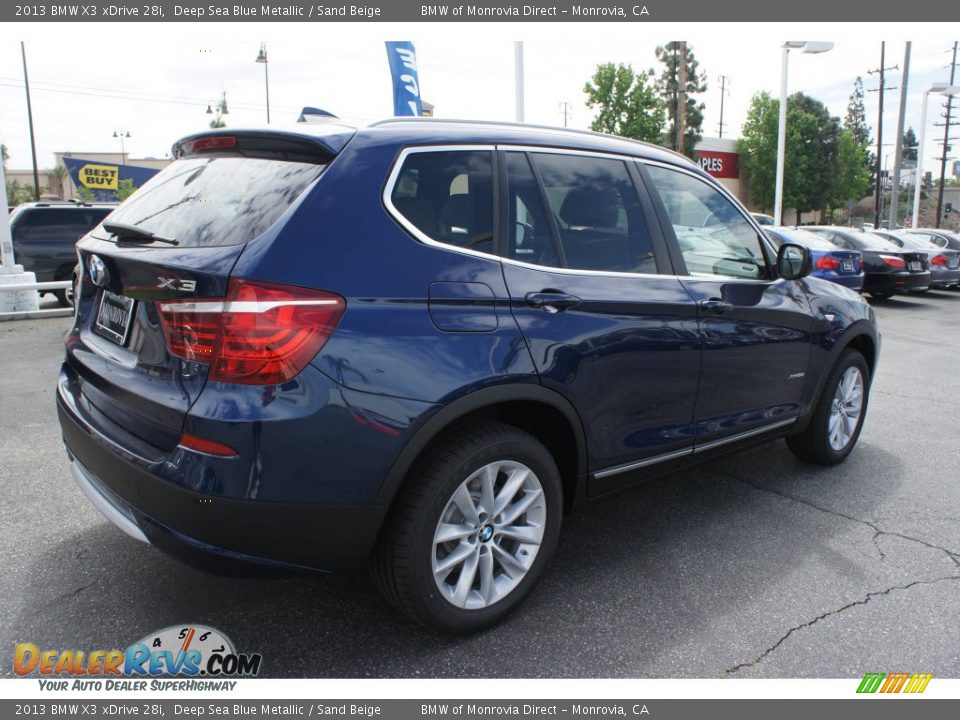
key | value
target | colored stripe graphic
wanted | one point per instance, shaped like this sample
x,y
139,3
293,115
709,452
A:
x,y
894,683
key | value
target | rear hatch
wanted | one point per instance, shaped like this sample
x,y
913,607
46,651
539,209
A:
x,y
917,261
175,239
842,262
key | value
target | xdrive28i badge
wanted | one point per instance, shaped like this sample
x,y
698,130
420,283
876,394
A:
x,y
97,270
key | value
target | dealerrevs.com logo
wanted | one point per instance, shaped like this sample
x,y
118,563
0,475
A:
x,y
184,651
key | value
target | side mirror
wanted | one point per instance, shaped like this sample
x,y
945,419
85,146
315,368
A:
x,y
793,261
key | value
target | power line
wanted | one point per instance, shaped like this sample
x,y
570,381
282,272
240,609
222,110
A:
x,y
881,71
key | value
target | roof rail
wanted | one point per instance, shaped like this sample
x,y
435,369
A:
x,y
505,123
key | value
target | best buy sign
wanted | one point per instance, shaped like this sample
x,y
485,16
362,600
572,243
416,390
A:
x,y
99,177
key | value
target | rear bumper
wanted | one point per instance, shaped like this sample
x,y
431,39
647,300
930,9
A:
x,y
208,531
896,282
944,278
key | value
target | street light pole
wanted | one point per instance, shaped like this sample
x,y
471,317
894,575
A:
x,y
122,133
810,47
262,59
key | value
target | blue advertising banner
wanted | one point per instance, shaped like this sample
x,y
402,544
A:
x,y
406,84
104,178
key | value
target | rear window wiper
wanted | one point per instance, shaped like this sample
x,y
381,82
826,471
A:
x,y
136,234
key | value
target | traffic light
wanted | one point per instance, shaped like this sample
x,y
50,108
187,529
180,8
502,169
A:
x,y
948,208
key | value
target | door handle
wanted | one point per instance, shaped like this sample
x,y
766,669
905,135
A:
x,y
715,306
552,300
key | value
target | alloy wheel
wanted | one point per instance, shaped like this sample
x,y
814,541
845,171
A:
x,y
489,534
845,409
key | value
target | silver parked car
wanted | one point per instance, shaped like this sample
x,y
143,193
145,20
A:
x,y
944,263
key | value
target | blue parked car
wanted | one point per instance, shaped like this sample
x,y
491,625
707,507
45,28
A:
x,y
420,344
844,267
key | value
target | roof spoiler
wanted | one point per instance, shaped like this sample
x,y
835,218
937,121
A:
x,y
313,145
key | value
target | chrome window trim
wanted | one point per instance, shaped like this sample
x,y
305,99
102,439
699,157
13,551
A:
x,y
692,450
427,240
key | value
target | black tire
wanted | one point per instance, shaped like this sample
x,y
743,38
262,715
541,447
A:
x,y
65,298
881,296
813,444
401,564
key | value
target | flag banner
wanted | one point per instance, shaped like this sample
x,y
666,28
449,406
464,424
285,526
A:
x,y
406,84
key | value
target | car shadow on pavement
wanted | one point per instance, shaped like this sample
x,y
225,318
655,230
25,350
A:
x,y
686,558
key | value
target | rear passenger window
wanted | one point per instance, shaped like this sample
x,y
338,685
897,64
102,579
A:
x,y
596,213
448,196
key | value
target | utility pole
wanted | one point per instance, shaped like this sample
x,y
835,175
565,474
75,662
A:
x,y
878,199
567,111
33,144
898,155
946,137
682,97
723,80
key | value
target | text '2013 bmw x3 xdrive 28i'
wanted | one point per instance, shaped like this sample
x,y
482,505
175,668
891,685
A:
x,y
420,344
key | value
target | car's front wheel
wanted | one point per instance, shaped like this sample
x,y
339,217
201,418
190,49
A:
x,y
473,530
838,417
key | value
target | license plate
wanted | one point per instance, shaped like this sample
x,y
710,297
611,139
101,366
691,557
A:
x,y
915,266
847,265
953,263
113,317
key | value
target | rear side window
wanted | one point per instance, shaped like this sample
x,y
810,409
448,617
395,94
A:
x,y
596,212
448,196
57,224
212,201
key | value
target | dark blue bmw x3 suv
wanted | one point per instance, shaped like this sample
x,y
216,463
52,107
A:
x,y
420,344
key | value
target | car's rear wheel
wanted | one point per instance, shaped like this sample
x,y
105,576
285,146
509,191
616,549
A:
x,y
473,531
838,417
881,295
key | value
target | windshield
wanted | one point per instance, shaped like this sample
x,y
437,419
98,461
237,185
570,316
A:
x,y
213,201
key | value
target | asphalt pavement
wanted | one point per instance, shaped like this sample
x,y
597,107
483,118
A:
x,y
753,566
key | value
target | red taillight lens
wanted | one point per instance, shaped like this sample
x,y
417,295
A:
x,y
210,447
940,260
894,261
217,142
827,262
261,334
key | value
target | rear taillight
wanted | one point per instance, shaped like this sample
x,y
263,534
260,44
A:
x,y
940,260
261,334
894,261
827,262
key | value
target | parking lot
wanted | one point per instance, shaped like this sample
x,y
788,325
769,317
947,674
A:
x,y
753,566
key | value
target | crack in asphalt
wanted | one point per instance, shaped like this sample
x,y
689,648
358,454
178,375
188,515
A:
x,y
954,555
862,601
877,533
903,396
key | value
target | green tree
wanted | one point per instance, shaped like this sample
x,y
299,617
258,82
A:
x,y
668,84
125,188
4,153
910,145
758,149
856,122
85,194
18,192
626,104
59,175
853,181
820,153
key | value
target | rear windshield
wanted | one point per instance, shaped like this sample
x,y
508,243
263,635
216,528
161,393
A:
x,y
212,201
869,241
802,237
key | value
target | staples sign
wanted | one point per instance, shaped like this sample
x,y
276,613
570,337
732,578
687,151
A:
x,y
719,164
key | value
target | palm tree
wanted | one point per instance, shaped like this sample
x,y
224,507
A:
x,y
59,174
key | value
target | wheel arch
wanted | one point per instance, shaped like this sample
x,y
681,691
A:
x,y
543,413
